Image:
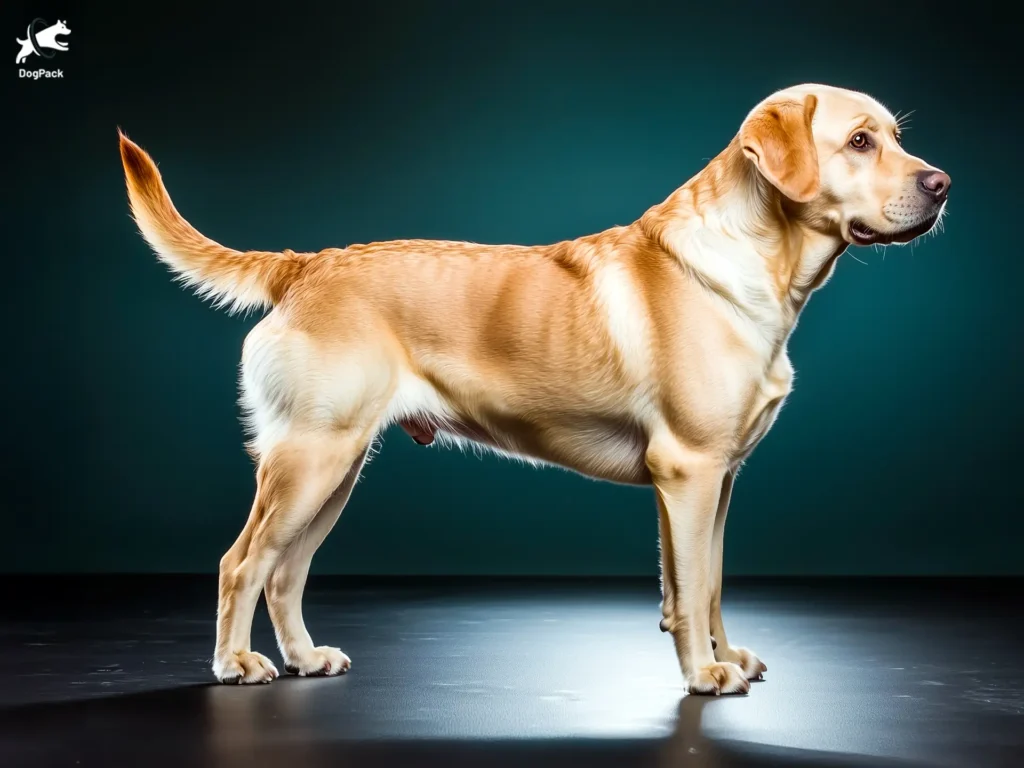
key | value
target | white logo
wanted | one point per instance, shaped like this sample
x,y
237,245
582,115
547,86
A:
x,y
42,40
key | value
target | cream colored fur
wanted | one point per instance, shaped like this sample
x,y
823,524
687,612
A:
x,y
652,354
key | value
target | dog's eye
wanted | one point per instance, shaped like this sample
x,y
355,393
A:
x,y
899,139
860,141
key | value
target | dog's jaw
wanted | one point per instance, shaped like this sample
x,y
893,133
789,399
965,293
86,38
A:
x,y
860,233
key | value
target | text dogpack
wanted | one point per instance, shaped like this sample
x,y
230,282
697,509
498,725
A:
x,y
38,74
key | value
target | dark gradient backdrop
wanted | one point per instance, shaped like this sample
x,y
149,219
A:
x,y
309,126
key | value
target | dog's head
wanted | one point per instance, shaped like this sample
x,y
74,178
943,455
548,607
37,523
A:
x,y
839,155
60,28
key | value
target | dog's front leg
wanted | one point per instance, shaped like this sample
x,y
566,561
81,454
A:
x,y
688,486
668,569
747,660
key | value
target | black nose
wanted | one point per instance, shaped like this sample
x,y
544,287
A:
x,y
935,184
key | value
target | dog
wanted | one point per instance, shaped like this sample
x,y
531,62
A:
x,y
46,38
651,354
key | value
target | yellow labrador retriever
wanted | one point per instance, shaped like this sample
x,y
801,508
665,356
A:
x,y
652,354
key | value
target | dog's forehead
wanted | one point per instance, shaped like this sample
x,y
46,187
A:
x,y
837,105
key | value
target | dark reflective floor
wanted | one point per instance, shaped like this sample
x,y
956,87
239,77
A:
x,y
115,671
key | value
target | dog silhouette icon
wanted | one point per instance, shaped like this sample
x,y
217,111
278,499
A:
x,y
42,41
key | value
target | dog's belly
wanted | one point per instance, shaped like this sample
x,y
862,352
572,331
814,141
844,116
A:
x,y
600,448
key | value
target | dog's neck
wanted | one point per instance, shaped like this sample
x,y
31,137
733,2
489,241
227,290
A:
x,y
741,238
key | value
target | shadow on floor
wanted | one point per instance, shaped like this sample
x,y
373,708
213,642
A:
x,y
214,725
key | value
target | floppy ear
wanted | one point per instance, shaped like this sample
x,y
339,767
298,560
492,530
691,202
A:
x,y
776,137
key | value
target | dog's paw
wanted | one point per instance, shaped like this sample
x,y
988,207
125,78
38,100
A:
x,y
244,668
753,668
718,678
319,662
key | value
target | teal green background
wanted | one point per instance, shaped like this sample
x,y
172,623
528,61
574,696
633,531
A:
x,y
323,125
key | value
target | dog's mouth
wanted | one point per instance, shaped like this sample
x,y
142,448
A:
x,y
862,234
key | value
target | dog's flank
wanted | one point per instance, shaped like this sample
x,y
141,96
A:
x,y
239,280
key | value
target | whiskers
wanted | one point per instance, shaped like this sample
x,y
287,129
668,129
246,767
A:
x,y
903,120
940,223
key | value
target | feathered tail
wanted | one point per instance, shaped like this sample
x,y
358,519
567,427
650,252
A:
x,y
236,279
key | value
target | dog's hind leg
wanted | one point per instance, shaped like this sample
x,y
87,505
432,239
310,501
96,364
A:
x,y
295,478
288,580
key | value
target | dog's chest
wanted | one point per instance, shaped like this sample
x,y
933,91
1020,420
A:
x,y
770,394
